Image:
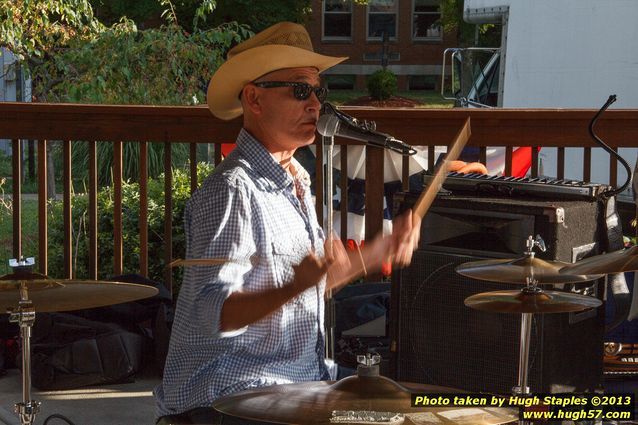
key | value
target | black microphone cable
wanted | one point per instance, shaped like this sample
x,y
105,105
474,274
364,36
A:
x,y
612,192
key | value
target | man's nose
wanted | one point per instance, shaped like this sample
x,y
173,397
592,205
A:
x,y
313,103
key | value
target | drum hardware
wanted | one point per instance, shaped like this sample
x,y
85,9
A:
x,y
24,292
531,298
24,316
620,358
613,348
366,396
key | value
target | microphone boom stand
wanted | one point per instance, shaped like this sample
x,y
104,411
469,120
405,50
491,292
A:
x,y
330,320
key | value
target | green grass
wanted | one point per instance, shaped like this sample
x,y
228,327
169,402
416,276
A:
x,y
29,231
430,99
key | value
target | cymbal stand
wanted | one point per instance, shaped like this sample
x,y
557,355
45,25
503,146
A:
x,y
25,317
526,321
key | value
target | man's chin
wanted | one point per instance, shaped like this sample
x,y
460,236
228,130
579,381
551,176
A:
x,y
308,140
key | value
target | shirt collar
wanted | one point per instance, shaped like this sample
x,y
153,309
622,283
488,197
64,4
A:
x,y
264,163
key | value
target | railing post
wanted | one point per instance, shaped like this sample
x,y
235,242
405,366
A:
x,y
117,208
16,159
66,208
168,216
374,197
143,208
93,230
43,256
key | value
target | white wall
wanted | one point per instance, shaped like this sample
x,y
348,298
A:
x,y
571,54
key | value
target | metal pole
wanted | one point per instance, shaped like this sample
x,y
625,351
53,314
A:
x,y
25,317
523,362
330,305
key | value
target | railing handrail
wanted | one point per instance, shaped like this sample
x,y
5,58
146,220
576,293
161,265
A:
x,y
420,127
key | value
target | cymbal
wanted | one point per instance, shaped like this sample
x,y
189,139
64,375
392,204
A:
x,y
519,269
524,302
49,295
613,262
313,403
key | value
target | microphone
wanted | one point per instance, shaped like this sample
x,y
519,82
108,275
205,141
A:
x,y
330,125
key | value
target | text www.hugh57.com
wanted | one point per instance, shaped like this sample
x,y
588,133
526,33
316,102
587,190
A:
x,y
574,415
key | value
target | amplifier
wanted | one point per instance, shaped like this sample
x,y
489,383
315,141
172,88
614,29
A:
x,y
435,339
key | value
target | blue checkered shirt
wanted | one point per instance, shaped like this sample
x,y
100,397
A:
x,y
253,212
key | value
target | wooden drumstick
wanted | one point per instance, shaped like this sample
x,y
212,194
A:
x,y
198,262
427,197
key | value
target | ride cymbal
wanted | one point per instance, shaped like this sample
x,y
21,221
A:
x,y
531,302
55,295
519,270
625,260
313,403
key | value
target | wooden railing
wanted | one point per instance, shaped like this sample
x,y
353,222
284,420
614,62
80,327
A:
x,y
192,125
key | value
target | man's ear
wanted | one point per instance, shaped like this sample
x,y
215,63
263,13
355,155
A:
x,y
250,99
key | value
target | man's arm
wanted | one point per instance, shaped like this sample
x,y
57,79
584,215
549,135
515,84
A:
x,y
244,308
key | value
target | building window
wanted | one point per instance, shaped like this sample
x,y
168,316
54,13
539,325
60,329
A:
x,y
422,82
426,16
337,19
340,82
382,19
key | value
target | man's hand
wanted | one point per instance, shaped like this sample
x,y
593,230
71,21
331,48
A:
x,y
310,272
406,231
340,262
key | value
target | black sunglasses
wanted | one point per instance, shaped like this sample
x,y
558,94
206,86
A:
x,y
301,91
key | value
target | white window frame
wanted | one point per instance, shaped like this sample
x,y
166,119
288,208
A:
x,y
437,37
396,22
323,23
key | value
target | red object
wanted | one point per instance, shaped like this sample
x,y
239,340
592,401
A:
x,y
521,161
227,148
386,267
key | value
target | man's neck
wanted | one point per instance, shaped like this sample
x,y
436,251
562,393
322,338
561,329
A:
x,y
283,157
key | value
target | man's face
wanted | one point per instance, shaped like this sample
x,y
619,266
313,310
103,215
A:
x,y
288,122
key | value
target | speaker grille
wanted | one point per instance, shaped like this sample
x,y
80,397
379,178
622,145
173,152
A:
x,y
442,341
438,340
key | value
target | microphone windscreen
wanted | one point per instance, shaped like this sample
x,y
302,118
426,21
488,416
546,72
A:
x,y
328,125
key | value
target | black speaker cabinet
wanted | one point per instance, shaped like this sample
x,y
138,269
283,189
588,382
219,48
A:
x,y
436,339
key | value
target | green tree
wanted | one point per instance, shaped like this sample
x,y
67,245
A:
x,y
162,66
382,84
72,57
452,20
261,14
191,13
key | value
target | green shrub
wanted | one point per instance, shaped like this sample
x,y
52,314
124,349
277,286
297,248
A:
x,y
382,84
130,228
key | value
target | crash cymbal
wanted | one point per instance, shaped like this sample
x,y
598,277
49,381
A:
x,y
527,302
313,403
520,269
625,260
49,295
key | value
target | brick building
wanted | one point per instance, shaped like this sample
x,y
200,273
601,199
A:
x,y
413,47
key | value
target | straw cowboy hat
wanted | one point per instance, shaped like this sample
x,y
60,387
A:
x,y
283,45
